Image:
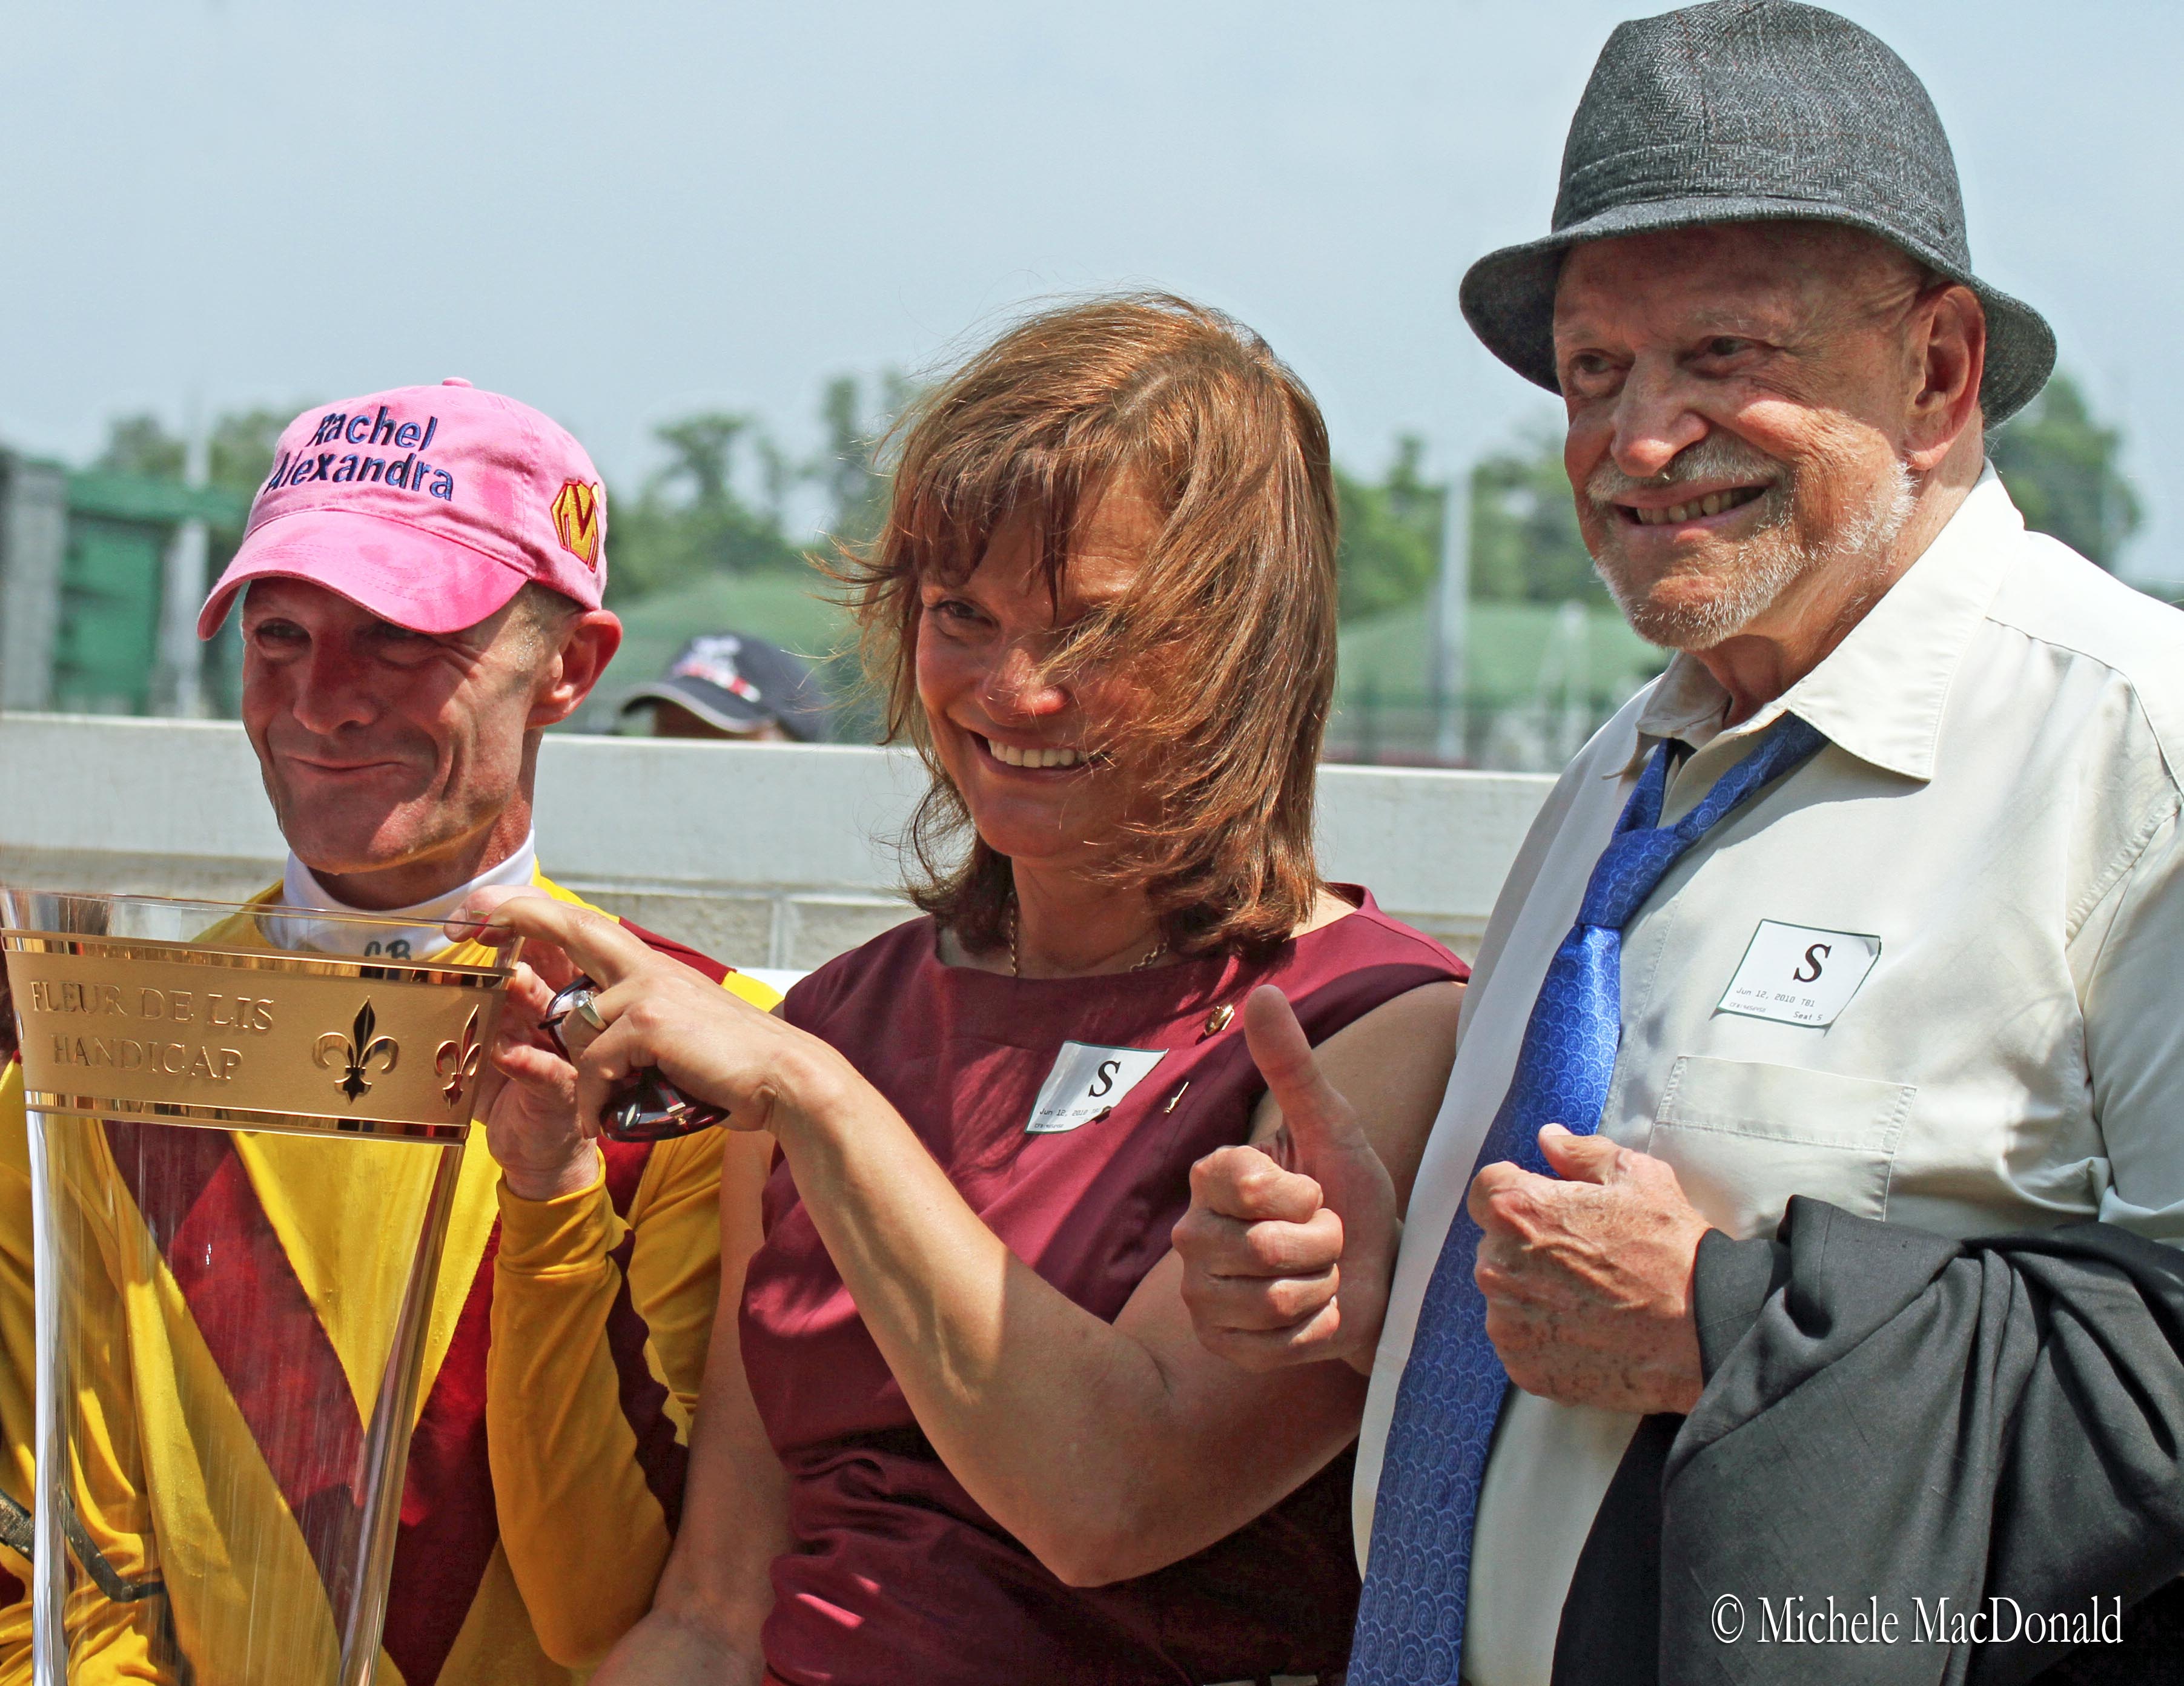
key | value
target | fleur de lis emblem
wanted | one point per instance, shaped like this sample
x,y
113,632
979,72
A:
x,y
459,1065
357,1050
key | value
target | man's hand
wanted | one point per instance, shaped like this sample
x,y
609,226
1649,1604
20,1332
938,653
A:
x,y
1588,1278
527,1101
1287,1249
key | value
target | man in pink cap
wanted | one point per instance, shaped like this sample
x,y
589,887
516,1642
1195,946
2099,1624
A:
x,y
420,587
431,507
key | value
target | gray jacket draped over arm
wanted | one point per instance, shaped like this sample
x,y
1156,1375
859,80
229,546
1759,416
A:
x,y
1892,1419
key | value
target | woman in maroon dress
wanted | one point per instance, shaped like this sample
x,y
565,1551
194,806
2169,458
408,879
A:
x,y
961,1430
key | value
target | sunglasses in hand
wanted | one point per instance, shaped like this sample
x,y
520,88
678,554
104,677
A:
x,y
645,1107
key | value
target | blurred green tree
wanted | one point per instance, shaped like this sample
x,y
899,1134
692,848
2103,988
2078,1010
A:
x,y
2060,465
239,453
1391,534
702,449
140,444
847,470
690,520
238,448
1525,544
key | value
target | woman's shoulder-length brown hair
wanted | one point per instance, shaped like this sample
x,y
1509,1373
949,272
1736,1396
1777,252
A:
x,y
1231,621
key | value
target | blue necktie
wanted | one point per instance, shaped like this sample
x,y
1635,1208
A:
x,y
1410,1619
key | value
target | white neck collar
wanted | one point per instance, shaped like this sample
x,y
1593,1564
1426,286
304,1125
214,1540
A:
x,y
423,934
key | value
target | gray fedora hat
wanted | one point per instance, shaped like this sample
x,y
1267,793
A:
x,y
1752,111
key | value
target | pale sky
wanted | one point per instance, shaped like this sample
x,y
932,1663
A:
x,y
622,213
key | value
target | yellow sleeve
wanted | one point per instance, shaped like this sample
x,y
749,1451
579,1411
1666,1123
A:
x,y
565,1479
762,996
599,1329
113,1641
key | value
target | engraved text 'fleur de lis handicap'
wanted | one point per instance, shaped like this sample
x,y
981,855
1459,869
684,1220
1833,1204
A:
x,y
357,1050
459,1065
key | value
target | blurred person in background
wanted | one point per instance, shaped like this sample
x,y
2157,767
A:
x,y
961,1430
731,686
420,590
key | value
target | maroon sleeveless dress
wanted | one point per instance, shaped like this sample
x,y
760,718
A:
x,y
896,1575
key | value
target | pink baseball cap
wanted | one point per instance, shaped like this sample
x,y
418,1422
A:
x,y
429,506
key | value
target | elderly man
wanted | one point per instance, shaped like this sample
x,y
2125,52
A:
x,y
420,588
1853,937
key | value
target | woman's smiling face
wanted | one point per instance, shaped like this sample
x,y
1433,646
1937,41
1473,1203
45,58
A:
x,y
1040,757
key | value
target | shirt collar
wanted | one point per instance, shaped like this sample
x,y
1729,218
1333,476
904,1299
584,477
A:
x,y
424,933
1879,695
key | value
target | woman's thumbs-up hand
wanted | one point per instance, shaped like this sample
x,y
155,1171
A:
x,y
1289,1245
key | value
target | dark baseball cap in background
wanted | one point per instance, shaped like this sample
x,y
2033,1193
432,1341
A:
x,y
739,685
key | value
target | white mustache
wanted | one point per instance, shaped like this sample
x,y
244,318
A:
x,y
1718,456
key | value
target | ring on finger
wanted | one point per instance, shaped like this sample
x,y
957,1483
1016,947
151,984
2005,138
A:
x,y
574,1000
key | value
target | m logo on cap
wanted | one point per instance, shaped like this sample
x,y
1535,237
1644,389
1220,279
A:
x,y
576,519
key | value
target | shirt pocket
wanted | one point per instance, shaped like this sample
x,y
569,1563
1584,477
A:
x,y
1744,1136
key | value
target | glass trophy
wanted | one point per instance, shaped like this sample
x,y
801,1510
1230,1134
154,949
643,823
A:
x,y
244,1134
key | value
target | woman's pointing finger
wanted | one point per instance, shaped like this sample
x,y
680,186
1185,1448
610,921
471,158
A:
x,y
595,945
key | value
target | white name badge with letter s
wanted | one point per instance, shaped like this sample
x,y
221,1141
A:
x,y
1796,975
1088,1081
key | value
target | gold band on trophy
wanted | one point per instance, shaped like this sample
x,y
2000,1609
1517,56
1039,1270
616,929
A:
x,y
249,1040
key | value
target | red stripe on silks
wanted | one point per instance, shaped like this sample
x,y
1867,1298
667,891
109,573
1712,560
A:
x,y
11,1590
451,1523
261,1327
624,1171
274,1354
661,1458
704,964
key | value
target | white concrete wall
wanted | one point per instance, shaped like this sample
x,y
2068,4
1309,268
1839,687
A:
x,y
763,854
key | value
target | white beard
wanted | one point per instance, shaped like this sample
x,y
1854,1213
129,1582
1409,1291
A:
x,y
1772,560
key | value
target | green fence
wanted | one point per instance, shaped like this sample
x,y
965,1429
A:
x,y
98,581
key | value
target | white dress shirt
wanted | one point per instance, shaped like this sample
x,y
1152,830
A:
x,y
1935,977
